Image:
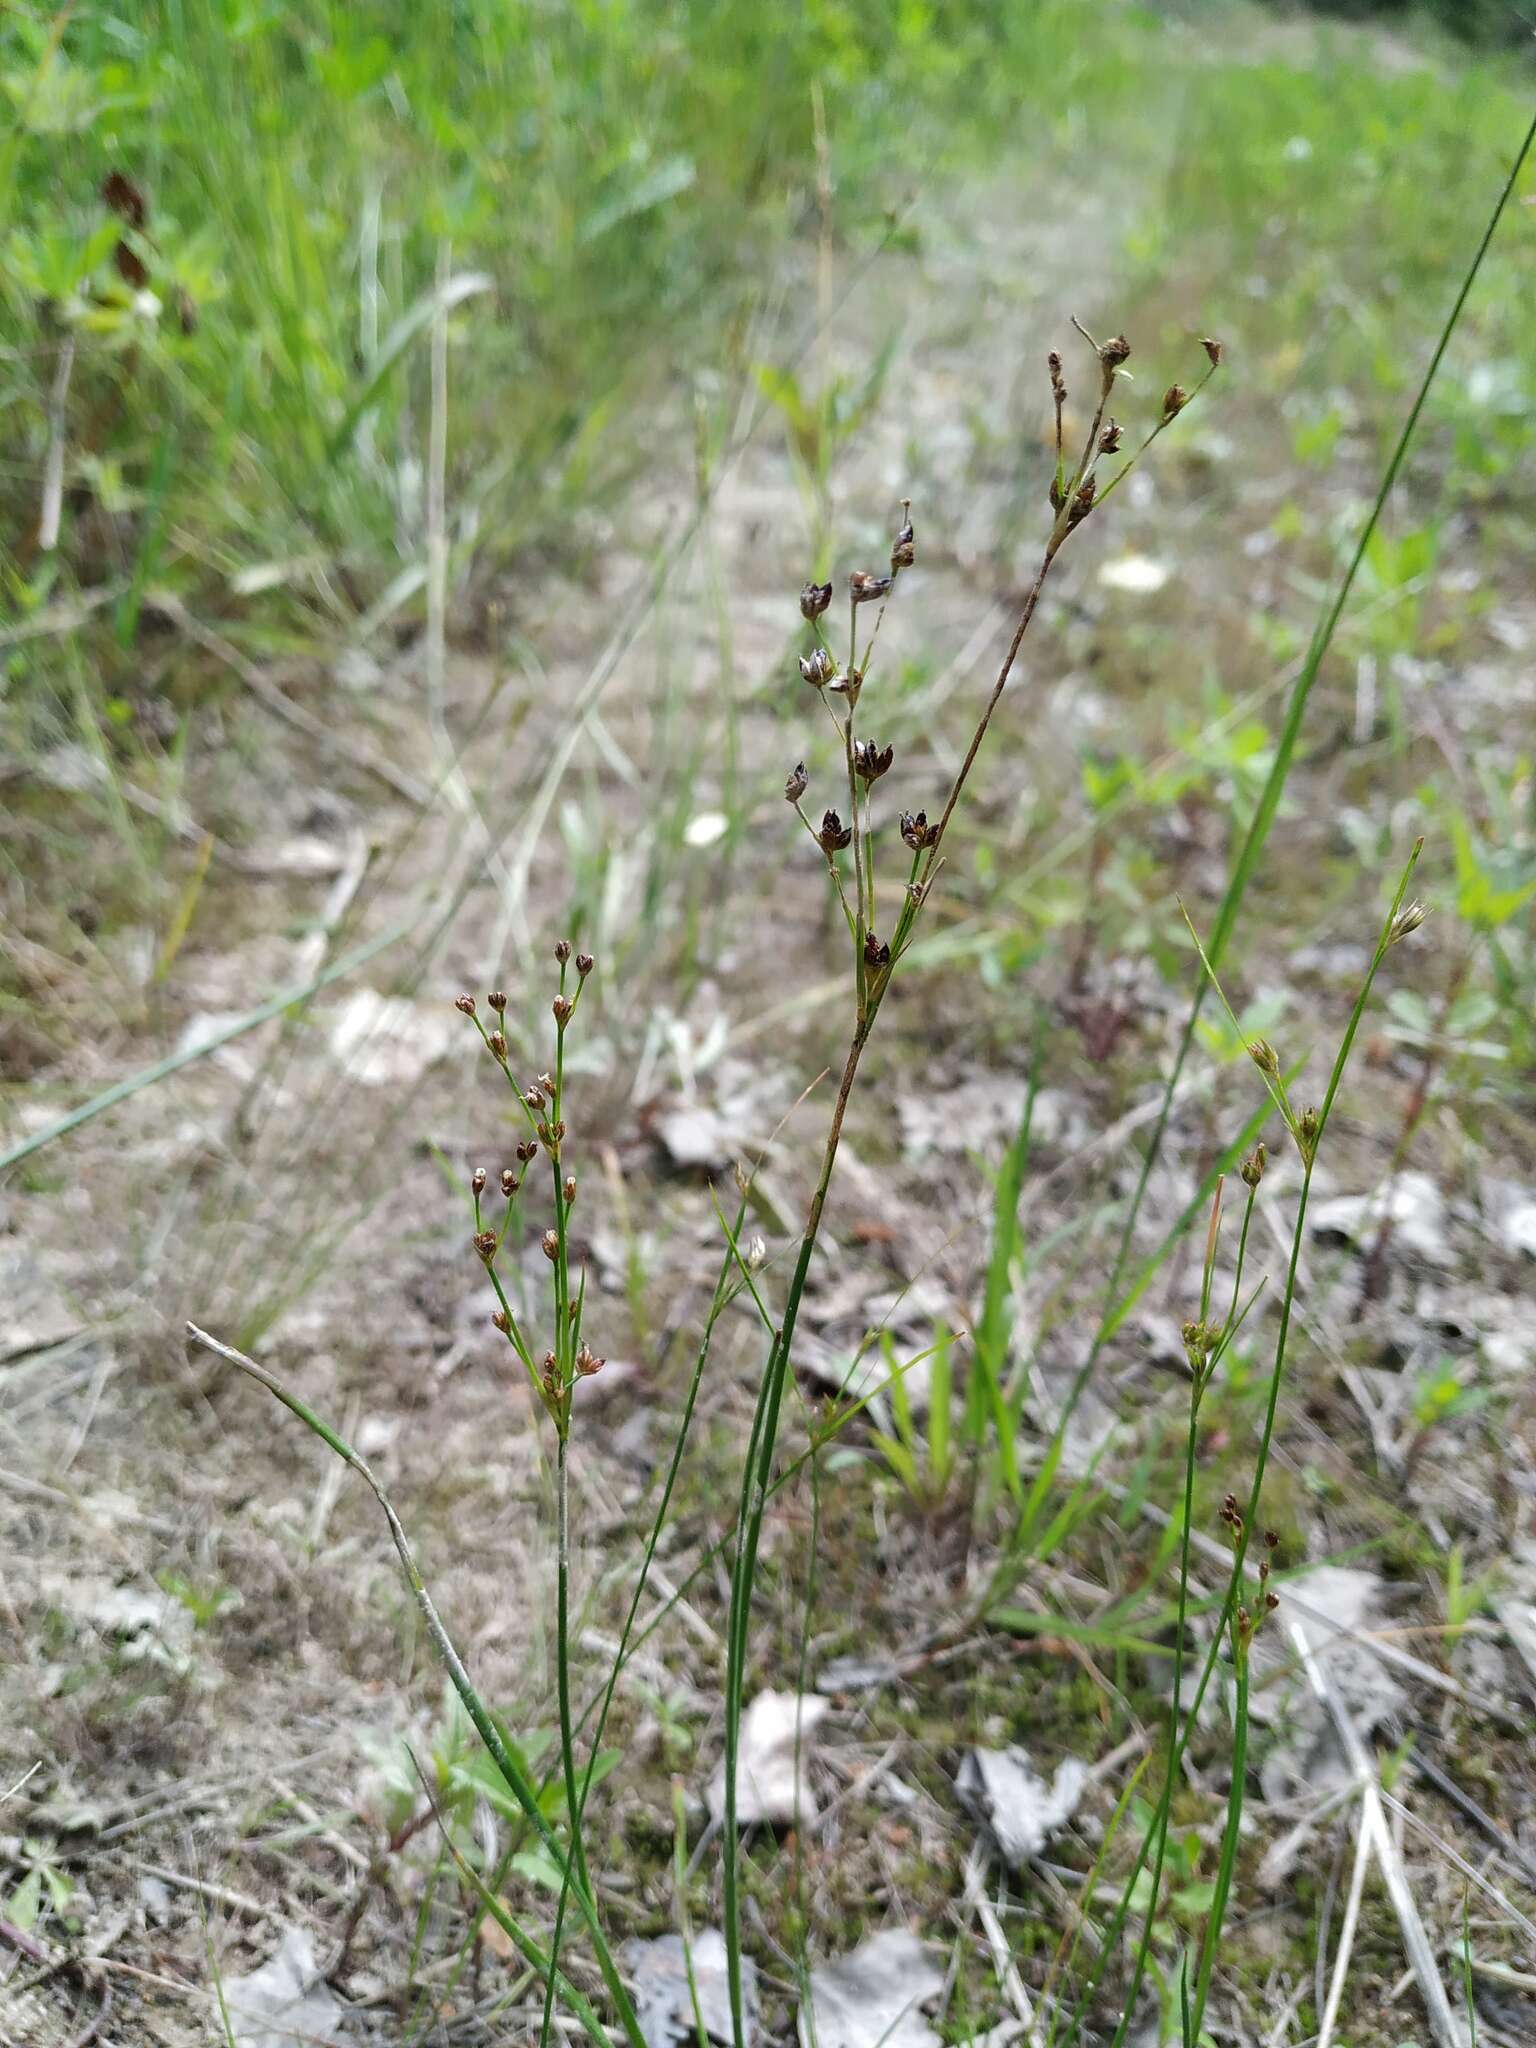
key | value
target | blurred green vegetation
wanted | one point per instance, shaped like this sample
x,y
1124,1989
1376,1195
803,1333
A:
x,y
239,215
1492,21
247,396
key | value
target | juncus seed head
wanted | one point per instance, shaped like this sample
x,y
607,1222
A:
x,y
904,547
818,667
814,599
1253,1166
584,964
466,1004
1111,437
917,831
562,1007
526,1150
509,1182
848,685
834,834
870,761
1175,398
485,1245
876,952
477,1180
497,1000
550,1243
501,1321
562,950
1114,352
796,783
1213,349
862,587
568,1189
498,1046
1264,1056
588,1362
1308,1125
1407,920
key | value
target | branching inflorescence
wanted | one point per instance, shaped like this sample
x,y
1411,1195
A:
x,y
1076,496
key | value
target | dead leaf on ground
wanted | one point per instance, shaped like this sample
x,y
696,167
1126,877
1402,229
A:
x,y
285,2003
871,1997
384,1041
1020,1812
664,1999
1413,1204
1336,1606
773,1786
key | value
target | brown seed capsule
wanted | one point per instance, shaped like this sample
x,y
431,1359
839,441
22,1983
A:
x,y
526,1150
870,761
818,667
466,1004
814,599
904,547
1111,437
917,831
501,1321
1213,349
550,1242
477,1180
1271,1601
1264,1056
1114,352
1053,364
562,950
535,1096
1175,398
561,1008
498,1046
509,1182
485,1245
587,1362
1082,502
584,964
862,587
796,783
876,952
834,835
848,685
1253,1166
568,1189
497,1000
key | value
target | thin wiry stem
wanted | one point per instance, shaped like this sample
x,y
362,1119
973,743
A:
x,y
518,1783
1261,1464
1290,731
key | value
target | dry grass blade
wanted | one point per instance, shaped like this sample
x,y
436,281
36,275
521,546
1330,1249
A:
x,y
1376,1840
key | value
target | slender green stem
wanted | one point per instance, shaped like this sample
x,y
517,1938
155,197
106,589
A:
x,y
574,1801
1210,1947
1230,1600
1290,731
756,1487
516,1778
